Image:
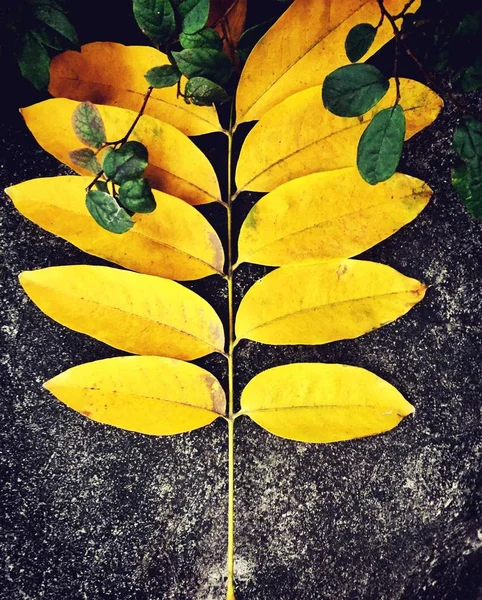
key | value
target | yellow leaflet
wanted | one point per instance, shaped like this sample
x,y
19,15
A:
x,y
303,47
300,136
335,214
175,241
137,313
147,394
324,302
176,165
110,73
312,402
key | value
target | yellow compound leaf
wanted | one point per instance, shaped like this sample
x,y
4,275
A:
x,y
300,136
175,241
335,214
324,302
311,402
176,165
303,47
137,313
113,74
147,394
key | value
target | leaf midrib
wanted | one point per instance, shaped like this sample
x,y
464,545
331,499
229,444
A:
x,y
321,224
302,148
317,307
141,234
135,395
142,317
300,57
140,94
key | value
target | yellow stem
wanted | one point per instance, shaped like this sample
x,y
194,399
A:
x,y
230,591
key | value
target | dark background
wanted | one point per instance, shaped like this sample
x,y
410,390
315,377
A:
x,y
91,512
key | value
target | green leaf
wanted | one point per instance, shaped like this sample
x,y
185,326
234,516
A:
x,y
34,62
467,181
352,90
56,20
49,38
251,37
136,196
162,77
204,62
359,40
203,92
381,145
156,19
107,213
472,77
88,125
85,158
194,14
206,38
468,140
102,186
128,162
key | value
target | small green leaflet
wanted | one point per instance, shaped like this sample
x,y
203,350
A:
x,y
136,196
156,19
88,125
352,90
162,77
203,92
34,62
194,14
85,158
359,40
206,38
251,37
107,213
380,147
56,20
128,162
204,62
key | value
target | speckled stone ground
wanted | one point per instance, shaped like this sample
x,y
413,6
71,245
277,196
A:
x,y
93,513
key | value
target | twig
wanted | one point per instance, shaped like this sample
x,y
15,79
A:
x,y
136,120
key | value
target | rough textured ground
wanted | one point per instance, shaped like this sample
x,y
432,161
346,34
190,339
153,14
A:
x,y
94,513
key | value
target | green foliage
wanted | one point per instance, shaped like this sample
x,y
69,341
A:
x,y
156,19
55,19
164,76
203,92
88,125
35,30
251,37
471,79
352,90
136,196
206,38
204,62
381,145
467,175
194,14
34,61
128,162
359,40
107,213
86,158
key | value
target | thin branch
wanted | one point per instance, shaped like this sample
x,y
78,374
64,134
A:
x,y
136,120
